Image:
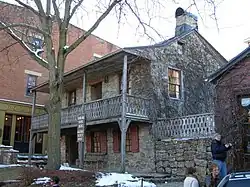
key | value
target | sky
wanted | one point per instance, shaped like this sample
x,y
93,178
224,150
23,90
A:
x,y
227,34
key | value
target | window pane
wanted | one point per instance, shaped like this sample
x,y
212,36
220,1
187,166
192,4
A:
x,y
31,82
22,128
7,128
174,83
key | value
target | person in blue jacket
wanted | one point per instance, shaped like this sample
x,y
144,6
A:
x,y
219,154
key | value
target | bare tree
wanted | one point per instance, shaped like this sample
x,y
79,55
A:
x,y
50,16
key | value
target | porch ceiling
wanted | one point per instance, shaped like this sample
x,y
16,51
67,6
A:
x,y
108,64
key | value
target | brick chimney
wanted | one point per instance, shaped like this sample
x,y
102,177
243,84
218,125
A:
x,y
185,21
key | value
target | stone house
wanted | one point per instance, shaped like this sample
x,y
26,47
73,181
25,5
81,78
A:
x,y
18,72
113,106
232,106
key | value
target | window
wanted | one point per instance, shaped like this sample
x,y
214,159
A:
x,y
7,129
31,82
96,142
132,140
22,128
72,98
174,83
37,45
128,84
96,91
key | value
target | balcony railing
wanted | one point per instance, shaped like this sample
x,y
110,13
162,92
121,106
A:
x,y
193,126
137,107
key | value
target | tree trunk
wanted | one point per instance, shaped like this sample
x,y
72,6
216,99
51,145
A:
x,y
54,131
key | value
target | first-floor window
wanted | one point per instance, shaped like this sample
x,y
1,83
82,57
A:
x,y
96,145
132,139
23,124
7,129
96,142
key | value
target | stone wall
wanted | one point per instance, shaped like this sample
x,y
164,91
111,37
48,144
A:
x,y
63,148
173,156
143,161
8,155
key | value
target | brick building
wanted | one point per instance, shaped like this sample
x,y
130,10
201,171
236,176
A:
x,y
18,72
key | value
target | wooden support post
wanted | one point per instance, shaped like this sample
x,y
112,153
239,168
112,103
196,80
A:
x,y
31,133
81,147
123,119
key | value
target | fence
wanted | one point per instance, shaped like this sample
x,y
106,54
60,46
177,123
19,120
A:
x,y
193,126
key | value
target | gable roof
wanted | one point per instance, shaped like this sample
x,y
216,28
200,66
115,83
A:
x,y
216,75
135,52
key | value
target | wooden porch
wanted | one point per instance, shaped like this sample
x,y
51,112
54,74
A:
x,y
97,112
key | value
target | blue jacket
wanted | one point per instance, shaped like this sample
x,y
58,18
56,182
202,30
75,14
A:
x,y
219,151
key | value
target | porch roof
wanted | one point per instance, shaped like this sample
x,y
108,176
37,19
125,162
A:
x,y
109,63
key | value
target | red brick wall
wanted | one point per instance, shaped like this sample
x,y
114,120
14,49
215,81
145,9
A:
x,y
15,60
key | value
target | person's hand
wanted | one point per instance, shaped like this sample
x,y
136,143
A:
x,y
227,145
230,145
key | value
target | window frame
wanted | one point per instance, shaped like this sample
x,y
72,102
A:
x,y
176,85
96,142
29,83
70,98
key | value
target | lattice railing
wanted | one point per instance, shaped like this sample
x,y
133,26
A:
x,y
200,125
70,114
103,108
138,106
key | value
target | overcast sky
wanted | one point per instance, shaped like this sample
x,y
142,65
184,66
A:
x,y
228,38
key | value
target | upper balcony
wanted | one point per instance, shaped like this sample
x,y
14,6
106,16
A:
x,y
99,111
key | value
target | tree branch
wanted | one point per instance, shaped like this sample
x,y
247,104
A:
x,y
57,13
40,7
28,7
75,8
33,54
96,24
24,25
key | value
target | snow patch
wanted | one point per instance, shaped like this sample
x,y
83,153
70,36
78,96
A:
x,y
69,168
43,180
65,47
123,180
9,165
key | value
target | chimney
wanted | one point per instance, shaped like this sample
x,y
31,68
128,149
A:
x,y
247,41
185,21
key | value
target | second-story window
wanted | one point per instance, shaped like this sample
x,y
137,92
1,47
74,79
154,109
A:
x,y
128,84
174,83
31,82
72,98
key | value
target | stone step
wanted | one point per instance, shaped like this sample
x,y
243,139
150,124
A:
x,y
158,178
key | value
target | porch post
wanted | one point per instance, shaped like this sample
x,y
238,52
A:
x,y
31,133
123,126
81,141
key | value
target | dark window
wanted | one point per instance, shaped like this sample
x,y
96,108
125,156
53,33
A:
x,y
22,128
7,129
96,91
128,84
31,82
96,142
174,83
37,44
72,98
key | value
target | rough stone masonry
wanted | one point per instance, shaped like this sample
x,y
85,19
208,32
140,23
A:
x,y
173,156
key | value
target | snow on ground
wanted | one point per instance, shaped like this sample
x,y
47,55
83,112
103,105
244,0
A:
x,y
43,180
69,168
124,180
9,165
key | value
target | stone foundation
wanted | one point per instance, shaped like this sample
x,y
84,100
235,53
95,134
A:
x,y
174,156
8,155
